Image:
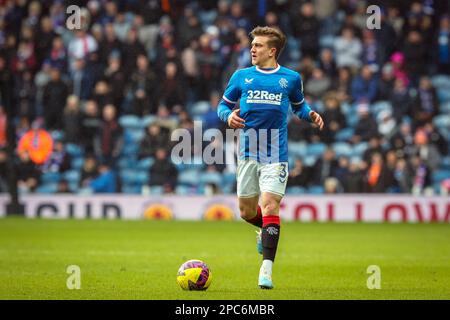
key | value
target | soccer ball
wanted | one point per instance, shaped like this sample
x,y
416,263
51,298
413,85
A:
x,y
194,275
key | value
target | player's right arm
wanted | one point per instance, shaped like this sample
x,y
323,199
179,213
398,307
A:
x,y
228,102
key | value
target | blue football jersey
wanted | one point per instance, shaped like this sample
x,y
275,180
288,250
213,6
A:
x,y
264,96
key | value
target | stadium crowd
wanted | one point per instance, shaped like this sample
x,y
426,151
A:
x,y
94,107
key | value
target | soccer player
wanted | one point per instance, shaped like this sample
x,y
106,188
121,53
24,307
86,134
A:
x,y
265,91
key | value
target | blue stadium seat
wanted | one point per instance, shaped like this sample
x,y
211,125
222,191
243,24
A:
x,y
50,177
342,149
298,149
441,81
128,176
359,149
316,190
47,188
77,163
445,164
147,120
145,163
379,106
440,175
130,122
57,135
309,161
445,108
295,190
316,149
345,134
72,176
189,177
131,189
443,95
74,150
199,108
442,121
141,177
211,177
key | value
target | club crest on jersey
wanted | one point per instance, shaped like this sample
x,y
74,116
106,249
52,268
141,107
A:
x,y
248,81
283,83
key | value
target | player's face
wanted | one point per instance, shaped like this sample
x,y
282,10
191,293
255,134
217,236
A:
x,y
261,52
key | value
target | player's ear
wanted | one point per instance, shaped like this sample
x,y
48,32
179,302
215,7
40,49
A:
x,y
273,52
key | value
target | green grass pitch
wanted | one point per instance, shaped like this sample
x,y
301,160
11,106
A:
x,y
139,259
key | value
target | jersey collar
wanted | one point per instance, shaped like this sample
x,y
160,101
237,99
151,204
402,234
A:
x,y
268,71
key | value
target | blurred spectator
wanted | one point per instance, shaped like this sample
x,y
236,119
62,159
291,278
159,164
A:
x,y
210,119
386,124
374,146
155,138
108,142
327,63
163,172
25,91
401,100
343,84
398,61
325,167
426,104
299,176
354,183
106,181
342,171
402,176
333,117
421,175
90,124
348,49
366,126
364,86
114,75
80,46
143,87
442,42
3,128
54,99
36,143
436,138
415,55
89,171
3,171
59,160
318,84
102,94
171,91
378,175
131,50
386,83
428,153
72,120
28,174
305,27
331,185
63,187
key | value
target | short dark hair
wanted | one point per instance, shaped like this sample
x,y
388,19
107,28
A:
x,y
277,39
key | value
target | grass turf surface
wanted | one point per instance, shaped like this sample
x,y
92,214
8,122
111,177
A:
x,y
139,260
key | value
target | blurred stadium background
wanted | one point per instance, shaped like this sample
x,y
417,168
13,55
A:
x,y
107,97
85,124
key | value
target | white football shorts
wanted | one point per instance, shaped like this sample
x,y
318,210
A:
x,y
254,177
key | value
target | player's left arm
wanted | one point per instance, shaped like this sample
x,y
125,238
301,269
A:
x,y
301,107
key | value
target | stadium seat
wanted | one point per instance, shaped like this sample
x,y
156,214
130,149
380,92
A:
x,y
316,149
72,176
442,121
211,177
440,175
443,95
47,188
57,135
50,177
342,149
441,81
74,150
445,108
359,149
309,161
445,163
130,122
199,108
295,190
77,163
316,190
128,176
379,106
131,189
298,149
147,120
189,177
145,163
344,134
141,177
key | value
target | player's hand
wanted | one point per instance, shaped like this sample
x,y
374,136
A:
x,y
234,121
317,119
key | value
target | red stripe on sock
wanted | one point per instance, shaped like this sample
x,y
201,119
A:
x,y
271,220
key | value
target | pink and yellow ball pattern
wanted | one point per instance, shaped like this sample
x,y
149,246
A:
x,y
194,275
